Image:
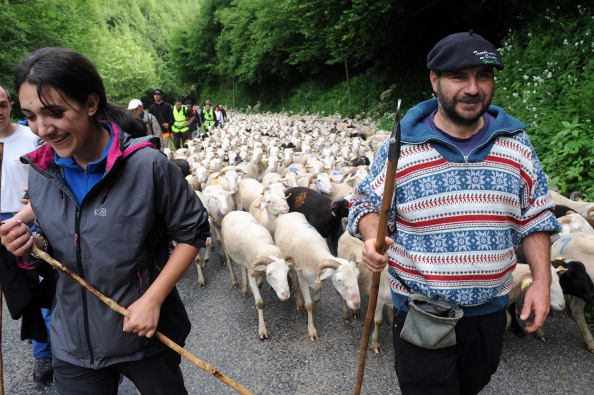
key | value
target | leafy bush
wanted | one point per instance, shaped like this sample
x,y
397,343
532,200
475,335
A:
x,y
548,83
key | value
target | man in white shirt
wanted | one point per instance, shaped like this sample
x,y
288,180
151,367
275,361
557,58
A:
x,y
19,140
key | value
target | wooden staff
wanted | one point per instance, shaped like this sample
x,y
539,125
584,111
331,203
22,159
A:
x,y
125,312
380,245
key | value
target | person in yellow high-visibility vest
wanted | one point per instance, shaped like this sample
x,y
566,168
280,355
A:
x,y
208,119
182,118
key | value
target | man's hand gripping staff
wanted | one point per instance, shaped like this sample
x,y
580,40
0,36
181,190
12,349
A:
x,y
374,251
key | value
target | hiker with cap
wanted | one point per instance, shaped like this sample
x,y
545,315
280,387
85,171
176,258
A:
x,y
152,125
164,114
469,188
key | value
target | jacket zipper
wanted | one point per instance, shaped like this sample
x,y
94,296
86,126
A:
x,y
82,290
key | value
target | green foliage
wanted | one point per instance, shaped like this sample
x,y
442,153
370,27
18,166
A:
x,y
548,84
128,40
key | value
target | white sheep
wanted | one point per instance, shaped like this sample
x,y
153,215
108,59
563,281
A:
x,y
268,207
575,223
250,245
218,202
349,246
584,208
249,190
295,236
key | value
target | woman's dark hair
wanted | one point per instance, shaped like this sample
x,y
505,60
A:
x,y
70,73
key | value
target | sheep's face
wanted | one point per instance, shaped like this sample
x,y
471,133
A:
x,y
345,280
277,276
275,203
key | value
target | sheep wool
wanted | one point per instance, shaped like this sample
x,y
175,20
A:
x,y
459,217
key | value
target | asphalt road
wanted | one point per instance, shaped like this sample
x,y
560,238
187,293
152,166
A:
x,y
225,335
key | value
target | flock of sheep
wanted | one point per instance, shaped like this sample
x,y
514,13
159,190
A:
x,y
276,189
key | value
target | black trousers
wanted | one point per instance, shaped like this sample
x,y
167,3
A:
x,y
179,138
157,375
463,369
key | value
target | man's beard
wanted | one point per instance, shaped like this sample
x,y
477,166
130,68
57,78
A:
x,y
449,107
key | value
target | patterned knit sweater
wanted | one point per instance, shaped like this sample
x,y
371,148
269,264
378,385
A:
x,y
459,217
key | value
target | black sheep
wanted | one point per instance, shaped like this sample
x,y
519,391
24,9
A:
x,y
321,212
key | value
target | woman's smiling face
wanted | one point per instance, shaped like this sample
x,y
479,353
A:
x,y
67,126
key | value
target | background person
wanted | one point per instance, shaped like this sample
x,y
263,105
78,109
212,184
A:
x,y
64,99
164,114
208,119
19,285
152,125
183,118
469,187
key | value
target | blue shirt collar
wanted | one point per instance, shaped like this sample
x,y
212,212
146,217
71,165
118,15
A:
x,y
92,167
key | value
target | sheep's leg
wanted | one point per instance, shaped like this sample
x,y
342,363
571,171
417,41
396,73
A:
x,y
346,314
262,332
391,315
244,280
378,318
312,333
512,320
317,296
577,310
298,296
199,268
234,282
222,255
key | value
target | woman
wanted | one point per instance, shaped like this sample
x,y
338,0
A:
x,y
219,117
108,204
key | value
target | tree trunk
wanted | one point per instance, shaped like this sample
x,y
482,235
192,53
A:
x,y
346,70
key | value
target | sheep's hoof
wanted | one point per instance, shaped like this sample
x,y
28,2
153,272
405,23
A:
x,y
263,336
346,320
376,349
313,337
356,314
234,285
591,350
542,338
201,283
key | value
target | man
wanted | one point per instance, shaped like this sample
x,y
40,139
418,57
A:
x,y
19,285
208,119
469,188
152,125
195,123
182,119
164,114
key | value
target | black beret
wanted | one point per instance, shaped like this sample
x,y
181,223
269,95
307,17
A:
x,y
461,51
157,92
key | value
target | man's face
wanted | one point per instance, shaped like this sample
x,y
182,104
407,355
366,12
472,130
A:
x,y
178,104
158,97
464,95
5,108
138,111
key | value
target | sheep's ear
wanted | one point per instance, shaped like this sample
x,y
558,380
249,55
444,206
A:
x,y
526,283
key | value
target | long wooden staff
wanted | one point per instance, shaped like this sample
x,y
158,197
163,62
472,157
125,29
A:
x,y
393,155
125,312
